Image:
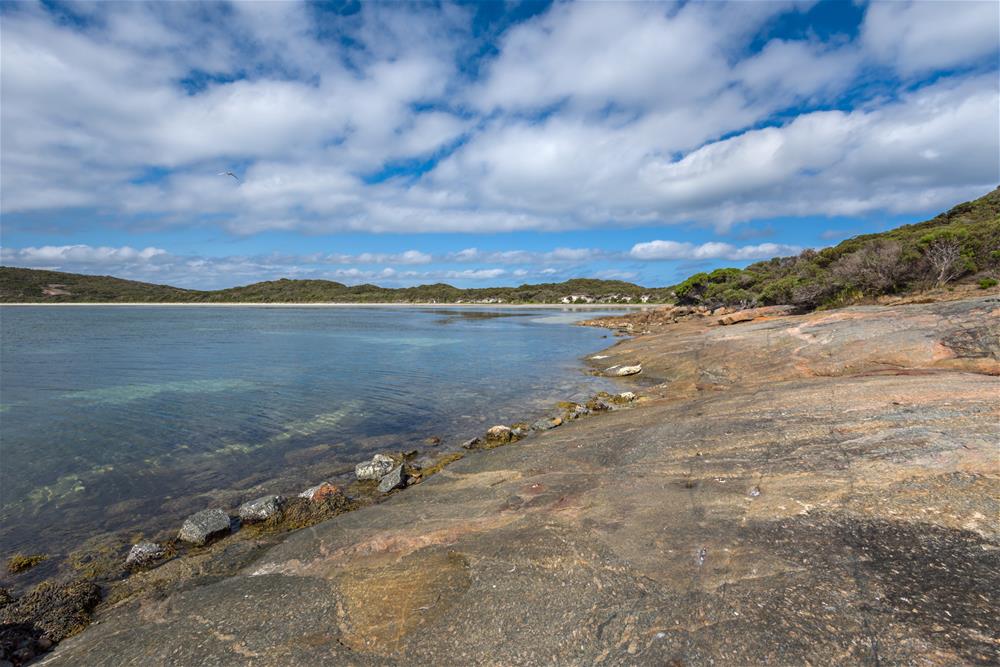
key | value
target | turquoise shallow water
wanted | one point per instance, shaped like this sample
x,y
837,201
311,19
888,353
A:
x,y
121,420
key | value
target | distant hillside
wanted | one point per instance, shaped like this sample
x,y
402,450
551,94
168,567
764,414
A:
x,y
961,244
32,285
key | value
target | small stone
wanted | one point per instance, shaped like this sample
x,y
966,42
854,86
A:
x,y
546,424
324,491
627,396
204,525
144,553
754,492
261,509
498,433
44,643
622,371
374,469
394,479
471,443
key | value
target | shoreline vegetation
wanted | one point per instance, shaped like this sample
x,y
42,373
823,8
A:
x,y
960,245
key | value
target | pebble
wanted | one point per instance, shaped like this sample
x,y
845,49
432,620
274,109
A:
x,y
394,479
143,553
261,509
202,526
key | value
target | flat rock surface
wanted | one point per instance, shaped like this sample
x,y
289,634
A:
x,y
819,489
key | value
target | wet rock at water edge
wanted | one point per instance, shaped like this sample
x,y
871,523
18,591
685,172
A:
x,y
546,424
622,371
321,492
393,480
374,469
263,508
202,526
499,433
626,397
471,443
144,553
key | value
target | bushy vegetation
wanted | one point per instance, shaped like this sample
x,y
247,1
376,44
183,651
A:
x,y
30,285
962,243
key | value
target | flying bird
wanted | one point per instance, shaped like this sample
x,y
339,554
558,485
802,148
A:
x,y
229,173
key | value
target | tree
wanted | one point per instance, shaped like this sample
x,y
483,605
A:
x,y
876,268
944,255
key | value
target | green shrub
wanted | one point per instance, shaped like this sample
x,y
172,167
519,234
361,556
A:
x,y
987,283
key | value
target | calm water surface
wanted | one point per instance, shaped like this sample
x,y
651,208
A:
x,y
121,420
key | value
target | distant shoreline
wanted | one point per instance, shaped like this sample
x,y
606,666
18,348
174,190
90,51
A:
x,y
586,306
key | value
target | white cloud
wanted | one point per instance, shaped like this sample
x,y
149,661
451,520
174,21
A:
x,y
919,36
407,257
655,114
79,254
674,250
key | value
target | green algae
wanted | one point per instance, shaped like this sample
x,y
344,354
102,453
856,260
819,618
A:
x,y
23,562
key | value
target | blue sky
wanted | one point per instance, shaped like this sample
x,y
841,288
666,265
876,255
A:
x,y
481,143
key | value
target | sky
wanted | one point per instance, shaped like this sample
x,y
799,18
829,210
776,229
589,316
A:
x,y
480,144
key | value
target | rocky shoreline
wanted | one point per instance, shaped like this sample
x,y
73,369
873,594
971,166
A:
x,y
59,607
794,489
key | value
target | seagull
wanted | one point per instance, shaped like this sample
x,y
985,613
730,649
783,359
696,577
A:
x,y
229,173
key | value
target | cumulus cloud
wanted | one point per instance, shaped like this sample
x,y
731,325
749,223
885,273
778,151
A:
x,y
78,254
587,115
674,250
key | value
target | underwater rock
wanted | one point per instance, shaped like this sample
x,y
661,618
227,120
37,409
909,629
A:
x,y
394,479
204,525
374,469
265,507
499,433
144,553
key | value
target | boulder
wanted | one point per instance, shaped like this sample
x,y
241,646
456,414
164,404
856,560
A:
x,y
261,509
626,397
202,526
546,424
393,480
374,469
499,433
622,371
144,553
321,492
739,316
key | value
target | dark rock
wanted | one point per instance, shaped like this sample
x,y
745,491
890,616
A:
x,y
144,553
57,610
265,507
202,526
393,480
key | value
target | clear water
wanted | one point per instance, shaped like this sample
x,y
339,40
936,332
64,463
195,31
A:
x,y
123,420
